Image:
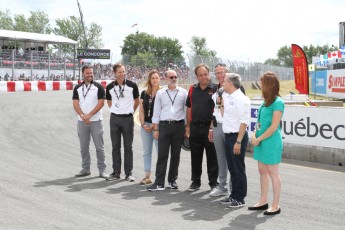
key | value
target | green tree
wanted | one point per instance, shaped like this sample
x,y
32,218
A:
x,y
137,43
198,46
71,27
200,53
21,23
284,55
6,22
144,59
272,61
166,50
38,22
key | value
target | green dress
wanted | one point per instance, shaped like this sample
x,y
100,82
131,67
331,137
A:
x,y
270,150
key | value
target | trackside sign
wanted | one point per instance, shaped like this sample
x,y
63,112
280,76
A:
x,y
312,126
93,54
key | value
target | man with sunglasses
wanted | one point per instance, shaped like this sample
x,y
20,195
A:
x,y
123,99
169,127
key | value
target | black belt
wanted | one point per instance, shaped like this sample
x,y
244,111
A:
x,y
202,124
123,115
230,134
170,122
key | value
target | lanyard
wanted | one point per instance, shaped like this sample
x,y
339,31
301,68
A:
x,y
172,101
120,91
88,89
151,100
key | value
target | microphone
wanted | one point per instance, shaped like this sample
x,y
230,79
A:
x,y
220,92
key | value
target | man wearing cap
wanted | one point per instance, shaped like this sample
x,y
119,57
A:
x,y
169,127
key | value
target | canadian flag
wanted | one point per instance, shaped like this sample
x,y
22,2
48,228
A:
x,y
334,54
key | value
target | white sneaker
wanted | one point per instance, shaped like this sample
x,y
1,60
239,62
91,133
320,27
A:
x,y
218,192
130,178
82,173
103,175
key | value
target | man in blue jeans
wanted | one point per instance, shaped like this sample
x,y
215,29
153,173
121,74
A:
x,y
235,121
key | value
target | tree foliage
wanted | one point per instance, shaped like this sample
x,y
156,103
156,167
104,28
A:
x,y
198,46
6,22
70,27
284,54
37,22
142,45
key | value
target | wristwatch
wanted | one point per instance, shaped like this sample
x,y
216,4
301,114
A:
x,y
238,142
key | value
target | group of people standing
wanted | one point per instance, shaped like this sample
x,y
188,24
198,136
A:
x,y
214,117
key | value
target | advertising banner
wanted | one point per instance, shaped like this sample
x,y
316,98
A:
x,y
300,68
93,54
309,125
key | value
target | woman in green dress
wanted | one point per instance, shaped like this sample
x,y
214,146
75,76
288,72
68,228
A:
x,y
268,142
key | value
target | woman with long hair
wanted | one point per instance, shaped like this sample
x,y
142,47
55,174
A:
x,y
268,143
146,106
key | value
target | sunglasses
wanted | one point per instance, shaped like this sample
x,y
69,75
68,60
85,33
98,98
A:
x,y
173,77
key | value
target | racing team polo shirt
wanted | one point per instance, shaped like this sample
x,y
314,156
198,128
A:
x,y
236,111
201,103
122,97
88,97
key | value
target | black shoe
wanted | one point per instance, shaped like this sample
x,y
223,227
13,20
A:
x,y
155,187
227,200
193,187
262,207
172,185
236,204
267,213
114,176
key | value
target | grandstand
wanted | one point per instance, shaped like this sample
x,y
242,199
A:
x,y
24,53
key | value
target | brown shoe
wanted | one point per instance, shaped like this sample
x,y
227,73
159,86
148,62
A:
x,y
146,181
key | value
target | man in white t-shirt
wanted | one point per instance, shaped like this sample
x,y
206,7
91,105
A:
x,y
88,101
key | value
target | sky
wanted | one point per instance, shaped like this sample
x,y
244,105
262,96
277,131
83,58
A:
x,y
244,30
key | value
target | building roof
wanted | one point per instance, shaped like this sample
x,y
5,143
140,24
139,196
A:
x,y
35,37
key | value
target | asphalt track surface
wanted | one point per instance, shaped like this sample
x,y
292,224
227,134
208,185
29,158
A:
x,y
39,155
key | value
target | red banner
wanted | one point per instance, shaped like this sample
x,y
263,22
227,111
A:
x,y
300,68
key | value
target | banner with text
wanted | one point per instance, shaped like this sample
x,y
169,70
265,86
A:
x,y
93,54
300,67
309,125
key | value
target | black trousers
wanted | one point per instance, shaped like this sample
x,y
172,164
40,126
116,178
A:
x,y
198,141
236,166
122,126
170,137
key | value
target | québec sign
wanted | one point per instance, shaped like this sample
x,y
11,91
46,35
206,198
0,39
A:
x,y
314,126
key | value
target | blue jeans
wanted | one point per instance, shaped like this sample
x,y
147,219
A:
x,y
237,166
148,140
